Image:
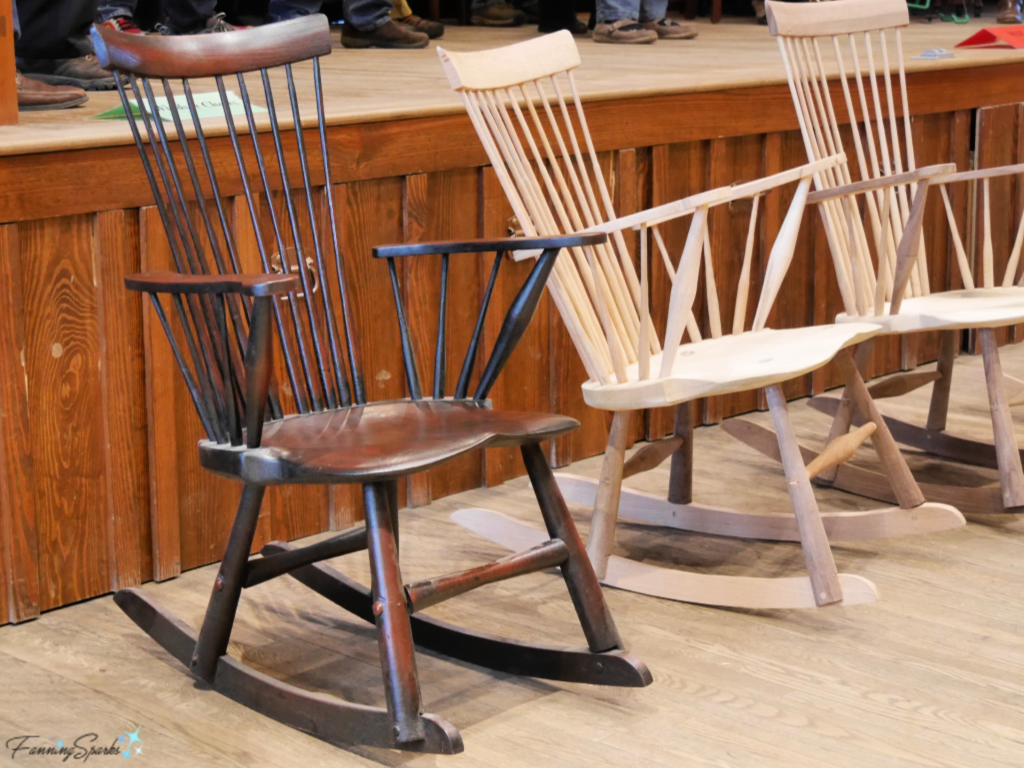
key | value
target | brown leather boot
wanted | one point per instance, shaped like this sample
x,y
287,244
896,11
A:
x,y
390,35
1009,12
432,29
83,72
36,96
624,32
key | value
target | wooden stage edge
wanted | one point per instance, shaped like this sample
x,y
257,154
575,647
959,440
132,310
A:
x,y
100,486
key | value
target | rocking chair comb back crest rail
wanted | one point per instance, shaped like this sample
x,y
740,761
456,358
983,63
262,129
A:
x,y
525,107
860,42
222,325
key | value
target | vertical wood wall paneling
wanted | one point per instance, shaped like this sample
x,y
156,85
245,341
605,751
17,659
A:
x,y
370,213
66,404
162,411
677,170
19,546
732,160
122,379
441,206
526,383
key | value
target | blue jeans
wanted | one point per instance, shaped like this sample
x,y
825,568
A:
x,y
364,15
182,15
640,10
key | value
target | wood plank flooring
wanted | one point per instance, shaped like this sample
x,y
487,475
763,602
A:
x,y
931,675
374,85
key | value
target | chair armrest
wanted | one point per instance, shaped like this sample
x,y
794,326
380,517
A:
x,y
687,205
930,172
510,244
981,173
246,285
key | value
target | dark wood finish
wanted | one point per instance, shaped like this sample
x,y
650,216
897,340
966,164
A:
x,y
938,408
571,665
504,245
424,594
315,426
680,483
205,56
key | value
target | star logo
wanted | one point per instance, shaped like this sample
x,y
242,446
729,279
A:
x,y
60,745
131,738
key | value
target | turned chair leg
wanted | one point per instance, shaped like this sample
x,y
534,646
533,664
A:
x,y
821,566
844,416
938,408
227,588
394,630
680,479
609,491
907,491
584,588
1011,475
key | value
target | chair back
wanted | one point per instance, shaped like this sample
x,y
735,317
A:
x,y
524,104
860,41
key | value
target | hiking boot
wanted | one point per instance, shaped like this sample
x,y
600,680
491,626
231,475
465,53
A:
x,y
212,25
432,29
390,35
624,32
34,95
1009,12
671,30
499,15
125,24
84,72
759,14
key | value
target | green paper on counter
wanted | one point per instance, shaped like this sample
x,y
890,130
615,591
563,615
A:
x,y
208,105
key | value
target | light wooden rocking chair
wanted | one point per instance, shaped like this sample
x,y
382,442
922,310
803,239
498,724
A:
x,y
851,37
546,163
229,331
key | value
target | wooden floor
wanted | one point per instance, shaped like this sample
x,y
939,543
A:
x,y
374,85
931,675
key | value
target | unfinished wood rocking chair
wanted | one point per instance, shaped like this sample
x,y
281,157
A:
x,y
522,100
221,326
853,37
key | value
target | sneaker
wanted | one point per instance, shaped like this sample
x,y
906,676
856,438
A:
x,y
390,35
84,72
499,15
122,24
671,30
624,32
212,25
432,29
34,95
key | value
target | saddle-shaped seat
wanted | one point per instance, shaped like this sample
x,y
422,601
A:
x,y
378,441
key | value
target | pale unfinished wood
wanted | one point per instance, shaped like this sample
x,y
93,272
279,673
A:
x,y
840,450
651,455
606,505
901,383
845,18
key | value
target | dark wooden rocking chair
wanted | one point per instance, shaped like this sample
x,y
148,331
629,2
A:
x,y
221,325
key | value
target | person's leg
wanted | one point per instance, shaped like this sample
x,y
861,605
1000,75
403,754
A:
x,y
112,9
402,13
613,10
54,30
189,15
652,10
367,15
282,10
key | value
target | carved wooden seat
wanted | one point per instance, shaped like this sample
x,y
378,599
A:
x,y
525,107
883,212
273,366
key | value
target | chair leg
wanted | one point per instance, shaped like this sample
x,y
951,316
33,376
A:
x,y
1011,474
939,405
394,631
844,416
227,588
609,491
821,566
907,491
680,480
584,588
